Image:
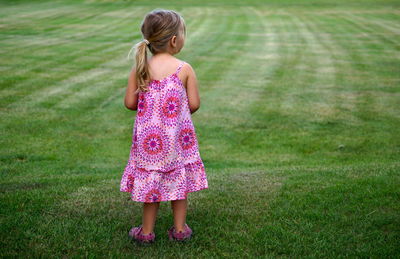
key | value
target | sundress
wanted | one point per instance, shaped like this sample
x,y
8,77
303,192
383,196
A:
x,y
164,162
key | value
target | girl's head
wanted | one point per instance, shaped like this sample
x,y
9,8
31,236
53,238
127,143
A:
x,y
165,31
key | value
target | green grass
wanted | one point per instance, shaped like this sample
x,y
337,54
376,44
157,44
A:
x,y
298,128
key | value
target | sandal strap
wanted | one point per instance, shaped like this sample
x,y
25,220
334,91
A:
x,y
183,234
138,234
149,236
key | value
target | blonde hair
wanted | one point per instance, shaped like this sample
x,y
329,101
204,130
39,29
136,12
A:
x,y
158,27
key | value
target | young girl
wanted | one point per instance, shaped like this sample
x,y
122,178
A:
x,y
164,162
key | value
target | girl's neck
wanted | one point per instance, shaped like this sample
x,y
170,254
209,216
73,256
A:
x,y
163,54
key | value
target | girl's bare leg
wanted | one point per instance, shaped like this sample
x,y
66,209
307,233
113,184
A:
x,y
149,216
179,208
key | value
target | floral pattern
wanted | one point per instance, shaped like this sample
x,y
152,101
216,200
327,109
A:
x,y
187,139
144,107
170,107
152,145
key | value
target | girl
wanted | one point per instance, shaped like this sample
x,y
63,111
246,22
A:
x,y
164,162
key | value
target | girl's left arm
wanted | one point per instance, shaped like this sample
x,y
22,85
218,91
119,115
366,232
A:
x,y
131,98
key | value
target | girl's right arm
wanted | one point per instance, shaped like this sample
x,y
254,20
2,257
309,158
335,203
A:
x,y
131,98
192,90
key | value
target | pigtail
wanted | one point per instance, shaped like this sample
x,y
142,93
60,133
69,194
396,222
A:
x,y
142,68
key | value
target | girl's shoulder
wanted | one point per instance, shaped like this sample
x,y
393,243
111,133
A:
x,y
186,68
185,65
185,72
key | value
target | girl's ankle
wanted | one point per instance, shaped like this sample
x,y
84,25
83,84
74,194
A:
x,y
146,233
177,230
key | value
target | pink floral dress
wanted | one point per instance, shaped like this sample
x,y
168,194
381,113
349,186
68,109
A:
x,y
164,162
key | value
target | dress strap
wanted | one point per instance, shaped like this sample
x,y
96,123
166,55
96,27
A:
x,y
180,67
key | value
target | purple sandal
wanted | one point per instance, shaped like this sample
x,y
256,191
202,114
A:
x,y
180,236
135,234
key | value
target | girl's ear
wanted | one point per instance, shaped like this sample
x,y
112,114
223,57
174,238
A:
x,y
173,41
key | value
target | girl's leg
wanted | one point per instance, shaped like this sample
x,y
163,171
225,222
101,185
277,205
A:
x,y
149,216
179,208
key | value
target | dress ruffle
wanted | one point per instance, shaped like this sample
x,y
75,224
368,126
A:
x,y
156,186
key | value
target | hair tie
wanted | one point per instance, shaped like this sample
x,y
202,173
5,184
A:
x,y
147,42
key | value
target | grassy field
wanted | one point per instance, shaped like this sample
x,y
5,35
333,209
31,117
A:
x,y
298,128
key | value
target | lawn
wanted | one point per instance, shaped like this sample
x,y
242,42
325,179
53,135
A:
x,y
298,129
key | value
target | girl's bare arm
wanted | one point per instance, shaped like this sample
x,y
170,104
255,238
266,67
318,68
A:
x,y
131,98
192,90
